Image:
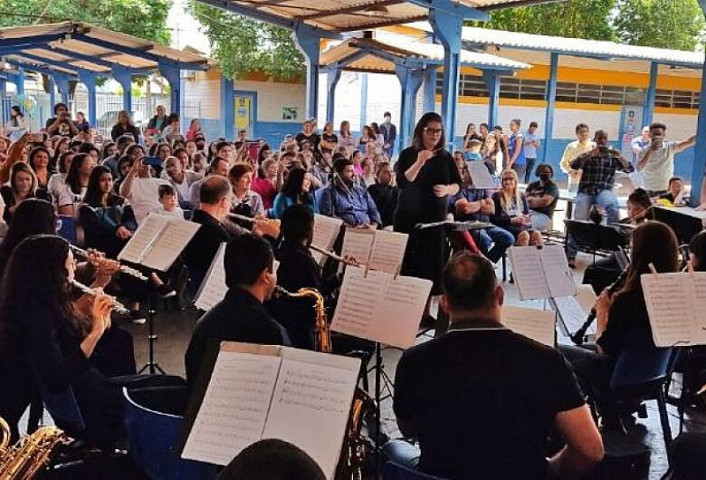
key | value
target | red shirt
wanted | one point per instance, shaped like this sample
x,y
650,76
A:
x,y
266,190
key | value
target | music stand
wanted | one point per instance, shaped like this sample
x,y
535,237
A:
x,y
595,237
151,366
685,226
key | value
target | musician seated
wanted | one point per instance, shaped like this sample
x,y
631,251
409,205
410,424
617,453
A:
x,y
241,315
488,415
542,197
697,249
346,200
475,204
215,195
623,315
272,459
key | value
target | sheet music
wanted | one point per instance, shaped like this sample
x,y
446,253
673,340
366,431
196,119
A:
x,y
528,273
234,409
358,301
213,289
670,308
169,243
397,315
698,282
480,175
556,271
387,251
537,325
572,314
311,404
325,232
357,243
149,228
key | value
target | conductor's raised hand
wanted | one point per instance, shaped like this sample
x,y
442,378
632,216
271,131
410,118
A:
x,y
424,155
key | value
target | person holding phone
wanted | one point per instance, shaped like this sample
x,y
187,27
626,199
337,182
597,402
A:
x,y
656,161
61,123
140,187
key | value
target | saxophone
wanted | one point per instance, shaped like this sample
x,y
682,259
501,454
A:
x,y
350,465
24,460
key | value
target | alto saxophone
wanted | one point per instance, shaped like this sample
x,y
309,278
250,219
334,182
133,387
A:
x,y
323,334
24,460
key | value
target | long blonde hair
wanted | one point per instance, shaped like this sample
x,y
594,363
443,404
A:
x,y
506,198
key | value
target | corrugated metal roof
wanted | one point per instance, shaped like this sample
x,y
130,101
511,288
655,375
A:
x,y
574,46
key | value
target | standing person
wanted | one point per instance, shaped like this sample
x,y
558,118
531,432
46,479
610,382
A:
x,y
61,124
379,139
384,193
470,135
483,131
124,126
503,150
656,162
481,377
596,186
426,175
81,122
542,197
389,135
345,138
158,122
530,144
637,145
329,139
17,126
490,153
194,129
581,145
307,135
516,149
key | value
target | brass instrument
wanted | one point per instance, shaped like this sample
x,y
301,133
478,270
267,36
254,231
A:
x,y
119,307
123,268
323,334
28,456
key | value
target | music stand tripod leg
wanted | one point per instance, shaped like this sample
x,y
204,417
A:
x,y
152,367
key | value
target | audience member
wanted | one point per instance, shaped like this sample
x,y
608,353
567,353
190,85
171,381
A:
x,y
656,162
295,191
512,212
542,197
581,145
244,201
384,193
60,123
343,199
124,126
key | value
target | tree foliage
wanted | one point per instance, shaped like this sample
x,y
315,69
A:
x,y
142,18
659,23
241,45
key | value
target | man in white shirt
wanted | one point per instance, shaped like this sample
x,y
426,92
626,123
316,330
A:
x,y
656,161
637,145
580,146
531,143
141,189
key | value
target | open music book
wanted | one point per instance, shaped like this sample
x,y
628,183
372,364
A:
x,y
538,325
264,391
158,241
542,272
380,307
326,230
573,311
379,249
676,303
213,288
480,175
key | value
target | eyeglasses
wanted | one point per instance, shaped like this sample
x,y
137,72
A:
x,y
433,131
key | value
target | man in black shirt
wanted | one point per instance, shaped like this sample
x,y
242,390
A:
x,y
384,193
488,413
307,135
61,123
542,197
240,316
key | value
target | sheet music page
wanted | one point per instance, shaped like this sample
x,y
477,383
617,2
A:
x,y
357,302
325,232
697,280
357,243
670,307
235,407
557,272
213,289
397,315
312,402
170,242
573,314
387,251
539,325
480,175
146,232
528,273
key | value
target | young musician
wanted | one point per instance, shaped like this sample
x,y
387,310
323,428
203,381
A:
x,y
623,315
697,249
241,315
272,459
488,415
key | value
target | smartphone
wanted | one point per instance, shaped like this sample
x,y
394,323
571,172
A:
x,y
155,162
603,148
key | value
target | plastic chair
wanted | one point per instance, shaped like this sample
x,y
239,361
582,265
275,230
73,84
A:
x,y
153,436
643,373
394,471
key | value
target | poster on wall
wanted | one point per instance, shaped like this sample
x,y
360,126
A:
x,y
632,115
243,105
290,113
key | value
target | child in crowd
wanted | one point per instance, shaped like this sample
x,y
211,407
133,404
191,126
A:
x,y
169,203
473,152
675,193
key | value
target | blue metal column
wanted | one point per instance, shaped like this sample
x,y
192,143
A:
x,y
90,82
447,29
332,78
363,100
227,109
697,172
410,82
62,83
20,81
309,44
124,77
173,75
4,112
430,90
651,95
551,105
52,93
492,81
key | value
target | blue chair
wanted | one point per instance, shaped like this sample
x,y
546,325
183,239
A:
x,y
68,229
643,373
394,471
152,437
64,410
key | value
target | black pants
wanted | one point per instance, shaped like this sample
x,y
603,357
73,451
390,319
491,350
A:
x,y
593,370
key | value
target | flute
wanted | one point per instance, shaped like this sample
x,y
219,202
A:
x,y
119,307
353,262
244,218
123,268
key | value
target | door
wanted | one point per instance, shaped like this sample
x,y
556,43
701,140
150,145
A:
x,y
244,112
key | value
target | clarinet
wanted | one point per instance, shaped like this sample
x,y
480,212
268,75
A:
x,y
578,336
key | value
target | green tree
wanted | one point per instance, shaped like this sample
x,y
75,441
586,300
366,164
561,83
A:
x,y
657,23
572,18
241,45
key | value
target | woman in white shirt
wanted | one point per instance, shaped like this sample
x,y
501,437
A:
x,y
17,126
76,183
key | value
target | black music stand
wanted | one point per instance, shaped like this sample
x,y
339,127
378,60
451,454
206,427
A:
x,y
151,366
595,237
685,226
